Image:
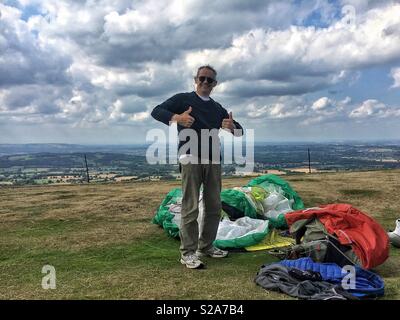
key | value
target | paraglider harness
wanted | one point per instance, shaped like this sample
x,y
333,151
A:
x,y
326,248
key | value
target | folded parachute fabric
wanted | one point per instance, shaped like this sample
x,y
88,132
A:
x,y
271,241
238,199
281,198
350,227
241,233
232,212
367,283
267,180
250,202
265,197
254,198
255,202
164,215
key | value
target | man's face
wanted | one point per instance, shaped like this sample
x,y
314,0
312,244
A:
x,y
203,87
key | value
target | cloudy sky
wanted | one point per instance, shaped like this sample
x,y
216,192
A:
x,y
91,71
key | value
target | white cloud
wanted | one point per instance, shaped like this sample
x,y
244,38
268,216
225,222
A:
x,y
374,109
395,73
140,116
24,59
125,57
322,103
273,108
325,110
128,108
322,110
295,60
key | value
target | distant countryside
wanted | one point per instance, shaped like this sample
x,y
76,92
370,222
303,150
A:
x,y
39,164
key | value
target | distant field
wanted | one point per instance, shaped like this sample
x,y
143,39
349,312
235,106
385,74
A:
x,y
100,240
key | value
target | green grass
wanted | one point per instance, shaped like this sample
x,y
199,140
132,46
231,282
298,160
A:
x,y
100,240
360,192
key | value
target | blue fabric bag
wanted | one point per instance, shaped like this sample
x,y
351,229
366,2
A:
x,y
368,284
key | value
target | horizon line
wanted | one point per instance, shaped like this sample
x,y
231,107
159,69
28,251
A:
x,y
256,142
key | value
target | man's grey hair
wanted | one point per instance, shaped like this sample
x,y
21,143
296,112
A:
x,y
207,66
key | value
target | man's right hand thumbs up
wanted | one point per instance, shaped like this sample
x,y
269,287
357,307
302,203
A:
x,y
184,119
188,111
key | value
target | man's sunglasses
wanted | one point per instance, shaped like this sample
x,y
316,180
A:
x,y
209,80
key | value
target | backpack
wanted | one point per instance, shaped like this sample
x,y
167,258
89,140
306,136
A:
x,y
312,240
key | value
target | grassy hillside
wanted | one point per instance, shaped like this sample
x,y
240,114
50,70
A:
x,y
100,240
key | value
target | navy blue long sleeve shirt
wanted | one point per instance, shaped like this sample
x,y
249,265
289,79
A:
x,y
207,114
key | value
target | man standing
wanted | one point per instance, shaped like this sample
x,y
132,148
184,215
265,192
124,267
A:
x,y
195,112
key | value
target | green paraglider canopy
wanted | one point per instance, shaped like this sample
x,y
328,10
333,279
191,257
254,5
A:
x,y
265,180
163,215
247,200
238,199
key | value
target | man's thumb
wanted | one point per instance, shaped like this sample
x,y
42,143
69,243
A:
x,y
188,110
230,115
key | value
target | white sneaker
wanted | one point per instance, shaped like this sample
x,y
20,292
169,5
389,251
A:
x,y
192,261
397,230
394,236
213,252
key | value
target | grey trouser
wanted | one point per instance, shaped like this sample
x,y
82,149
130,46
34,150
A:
x,y
193,175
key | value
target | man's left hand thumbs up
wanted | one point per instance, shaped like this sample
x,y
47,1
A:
x,y
228,123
